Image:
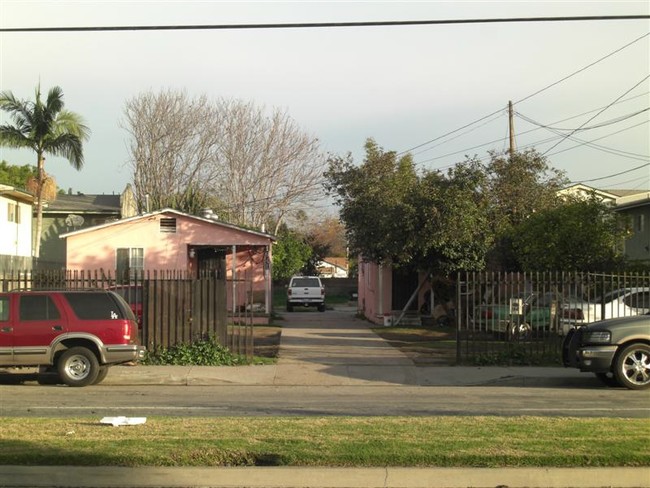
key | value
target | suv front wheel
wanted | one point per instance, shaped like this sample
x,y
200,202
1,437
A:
x,y
78,366
632,367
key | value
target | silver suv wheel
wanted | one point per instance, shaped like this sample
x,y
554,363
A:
x,y
78,366
632,368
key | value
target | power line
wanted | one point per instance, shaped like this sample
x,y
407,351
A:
x,y
583,69
615,174
617,152
597,126
643,180
501,114
318,25
524,133
592,118
529,96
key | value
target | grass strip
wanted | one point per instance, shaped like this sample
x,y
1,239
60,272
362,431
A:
x,y
329,441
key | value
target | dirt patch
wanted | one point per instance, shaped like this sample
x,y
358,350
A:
x,y
425,346
266,341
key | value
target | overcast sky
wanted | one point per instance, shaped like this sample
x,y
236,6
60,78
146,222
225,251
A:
x,y
401,85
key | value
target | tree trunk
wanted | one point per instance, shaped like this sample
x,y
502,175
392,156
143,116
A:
x,y
40,177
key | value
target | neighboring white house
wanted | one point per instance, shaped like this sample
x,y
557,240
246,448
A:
x,y
637,209
635,205
15,228
583,191
333,268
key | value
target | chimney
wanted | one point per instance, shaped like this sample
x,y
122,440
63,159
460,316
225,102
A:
x,y
208,213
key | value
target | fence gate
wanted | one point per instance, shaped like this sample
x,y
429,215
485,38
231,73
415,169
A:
x,y
522,318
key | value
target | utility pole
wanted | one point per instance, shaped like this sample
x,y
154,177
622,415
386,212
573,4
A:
x,y
511,128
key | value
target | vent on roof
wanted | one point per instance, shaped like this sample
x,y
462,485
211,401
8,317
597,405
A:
x,y
168,225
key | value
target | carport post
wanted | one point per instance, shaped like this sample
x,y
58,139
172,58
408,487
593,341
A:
x,y
267,280
234,277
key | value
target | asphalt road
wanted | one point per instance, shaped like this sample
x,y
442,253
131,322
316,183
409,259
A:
x,y
590,400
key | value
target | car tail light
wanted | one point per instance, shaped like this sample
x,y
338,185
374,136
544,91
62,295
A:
x,y
126,331
289,291
322,291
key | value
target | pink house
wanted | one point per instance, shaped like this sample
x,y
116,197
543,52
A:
x,y
387,295
169,240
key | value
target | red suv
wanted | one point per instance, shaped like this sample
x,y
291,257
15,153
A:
x,y
77,335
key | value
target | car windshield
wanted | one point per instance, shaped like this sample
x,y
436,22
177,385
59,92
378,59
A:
x,y
306,282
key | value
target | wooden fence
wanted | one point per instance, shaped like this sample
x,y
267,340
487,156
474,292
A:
x,y
172,307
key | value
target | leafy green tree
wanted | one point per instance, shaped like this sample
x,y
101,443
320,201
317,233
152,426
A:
x,y
16,176
517,186
329,233
580,235
380,220
290,255
319,252
432,221
454,230
521,184
46,128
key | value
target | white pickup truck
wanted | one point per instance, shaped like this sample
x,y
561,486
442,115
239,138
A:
x,y
306,291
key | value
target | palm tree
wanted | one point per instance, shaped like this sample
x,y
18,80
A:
x,y
46,129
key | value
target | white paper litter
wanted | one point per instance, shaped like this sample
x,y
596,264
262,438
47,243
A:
x,y
117,421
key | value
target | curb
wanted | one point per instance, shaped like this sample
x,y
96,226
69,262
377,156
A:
x,y
288,477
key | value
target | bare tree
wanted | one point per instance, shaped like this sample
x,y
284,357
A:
x,y
173,147
268,166
255,168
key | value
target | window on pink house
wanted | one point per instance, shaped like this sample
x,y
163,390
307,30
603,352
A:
x,y
130,263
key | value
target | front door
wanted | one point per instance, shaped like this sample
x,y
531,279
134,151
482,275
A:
x,y
405,282
211,261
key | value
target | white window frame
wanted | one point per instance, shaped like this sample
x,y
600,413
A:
x,y
639,222
136,260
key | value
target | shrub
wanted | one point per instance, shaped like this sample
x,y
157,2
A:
x,y
202,352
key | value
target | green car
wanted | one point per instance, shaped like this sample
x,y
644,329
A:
x,y
520,316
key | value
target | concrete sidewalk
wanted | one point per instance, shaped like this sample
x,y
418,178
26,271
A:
x,y
287,477
308,374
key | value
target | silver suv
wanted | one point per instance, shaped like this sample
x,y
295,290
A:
x,y
617,351
306,291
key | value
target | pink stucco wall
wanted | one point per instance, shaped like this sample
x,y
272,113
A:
x,y
96,248
375,285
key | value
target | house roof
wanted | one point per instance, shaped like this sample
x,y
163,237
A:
x,y
580,188
625,193
632,201
173,212
16,193
338,262
85,204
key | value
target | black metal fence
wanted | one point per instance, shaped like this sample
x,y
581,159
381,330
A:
x,y
522,318
172,307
